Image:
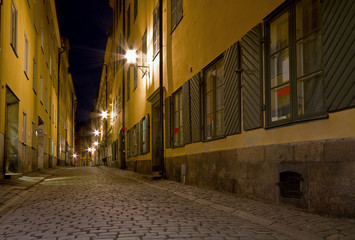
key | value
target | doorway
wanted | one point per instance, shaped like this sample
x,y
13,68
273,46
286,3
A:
x,y
156,137
11,132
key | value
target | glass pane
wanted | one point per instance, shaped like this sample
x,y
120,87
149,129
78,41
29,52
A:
x,y
220,98
309,54
279,33
219,74
279,68
280,103
209,126
220,123
310,95
209,80
209,103
307,17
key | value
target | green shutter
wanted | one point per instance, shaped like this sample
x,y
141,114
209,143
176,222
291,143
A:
x,y
251,57
195,98
141,140
232,90
147,139
338,53
186,123
168,122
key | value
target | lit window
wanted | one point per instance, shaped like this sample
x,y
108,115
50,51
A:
x,y
214,100
177,119
295,63
156,30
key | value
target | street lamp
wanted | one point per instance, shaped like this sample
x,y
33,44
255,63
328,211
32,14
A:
x,y
96,132
131,56
104,114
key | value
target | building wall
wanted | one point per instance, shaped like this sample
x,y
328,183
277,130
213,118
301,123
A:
x,y
251,159
35,88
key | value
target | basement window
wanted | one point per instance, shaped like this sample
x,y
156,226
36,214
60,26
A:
x,y
290,185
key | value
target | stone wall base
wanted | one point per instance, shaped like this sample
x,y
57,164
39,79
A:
x,y
327,170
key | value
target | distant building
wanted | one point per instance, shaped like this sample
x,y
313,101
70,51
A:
x,y
37,104
83,145
251,97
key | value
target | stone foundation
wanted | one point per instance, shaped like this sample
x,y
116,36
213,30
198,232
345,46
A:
x,y
2,147
141,166
327,169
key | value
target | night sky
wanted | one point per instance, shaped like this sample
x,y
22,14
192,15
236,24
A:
x,y
86,24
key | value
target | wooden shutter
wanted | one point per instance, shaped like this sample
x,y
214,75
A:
x,y
186,123
168,122
251,56
232,90
195,98
338,53
147,130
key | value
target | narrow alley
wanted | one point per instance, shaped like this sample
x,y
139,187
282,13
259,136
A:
x,y
108,203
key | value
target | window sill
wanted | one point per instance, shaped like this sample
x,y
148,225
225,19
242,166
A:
x,y
298,121
214,138
26,75
13,48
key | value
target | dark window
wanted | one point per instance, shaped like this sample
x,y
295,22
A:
x,y
214,100
128,21
128,82
13,36
135,78
119,99
294,58
176,13
135,9
177,119
156,30
144,49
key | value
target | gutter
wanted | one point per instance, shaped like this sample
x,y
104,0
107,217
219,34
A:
x,y
58,103
161,130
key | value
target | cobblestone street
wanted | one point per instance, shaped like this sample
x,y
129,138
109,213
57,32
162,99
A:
x,y
108,203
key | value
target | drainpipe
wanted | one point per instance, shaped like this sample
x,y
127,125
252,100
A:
x,y
123,153
161,132
58,103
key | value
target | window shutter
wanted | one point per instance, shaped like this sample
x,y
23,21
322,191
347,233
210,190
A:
x,y
232,89
147,136
251,56
186,123
338,54
168,122
141,140
195,98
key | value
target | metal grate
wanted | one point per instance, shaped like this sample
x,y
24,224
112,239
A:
x,y
290,185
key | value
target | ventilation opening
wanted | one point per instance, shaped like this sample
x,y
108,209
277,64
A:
x,y
290,185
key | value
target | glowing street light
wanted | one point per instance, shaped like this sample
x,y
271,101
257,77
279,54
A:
x,y
89,149
131,56
96,144
104,114
96,132
74,155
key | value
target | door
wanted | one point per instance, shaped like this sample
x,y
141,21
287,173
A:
x,y
11,132
155,137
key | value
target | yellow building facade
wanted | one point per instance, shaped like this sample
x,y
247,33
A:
x,y
258,97
29,50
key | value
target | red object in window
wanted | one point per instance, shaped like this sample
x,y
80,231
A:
x,y
124,128
143,143
283,91
211,118
176,130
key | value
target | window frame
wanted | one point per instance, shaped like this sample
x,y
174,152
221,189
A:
x,y
214,136
290,9
156,31
26,56
14,27
179,15
179,112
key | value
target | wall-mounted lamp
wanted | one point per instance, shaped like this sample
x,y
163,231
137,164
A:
x,y
104,114
131,56
96,132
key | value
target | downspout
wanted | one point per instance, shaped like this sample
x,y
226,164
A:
x,y
58,103
161,132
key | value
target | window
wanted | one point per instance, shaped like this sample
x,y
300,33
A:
x,y
33,134
35,17
45,98
25,65
214,100
128,82
34,75
294,58
24,127
119,99
13,35
156,31
177,119
83,153
42,36
135,78
128,21
135,9
145,134
41,89
176,13
144,49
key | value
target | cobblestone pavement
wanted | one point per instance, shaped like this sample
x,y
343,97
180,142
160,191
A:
x,y
108,203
